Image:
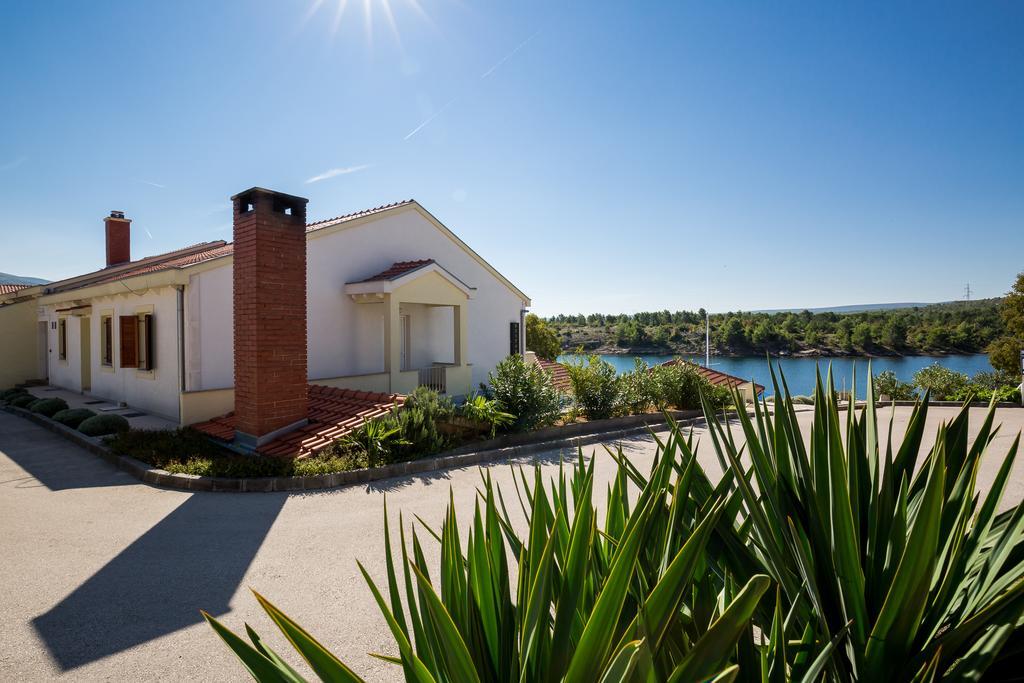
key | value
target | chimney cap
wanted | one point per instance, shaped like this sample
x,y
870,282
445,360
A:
x,y
117,214
272,193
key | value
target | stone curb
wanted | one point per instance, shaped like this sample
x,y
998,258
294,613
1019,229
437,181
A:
x,y
501,448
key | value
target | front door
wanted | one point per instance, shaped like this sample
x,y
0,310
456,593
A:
x,y
85,358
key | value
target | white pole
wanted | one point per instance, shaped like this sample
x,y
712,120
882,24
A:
x,y
707,340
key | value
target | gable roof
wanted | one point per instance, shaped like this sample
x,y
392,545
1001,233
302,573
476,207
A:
x,y
716,377
397,270
206,251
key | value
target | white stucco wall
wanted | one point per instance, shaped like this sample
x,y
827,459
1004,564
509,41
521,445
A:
x,y
356,253
209,330
153,391
346,338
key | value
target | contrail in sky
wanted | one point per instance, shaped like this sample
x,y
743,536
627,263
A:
x,y
485,74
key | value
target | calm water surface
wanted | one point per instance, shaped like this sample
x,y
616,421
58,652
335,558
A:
x,y
800,371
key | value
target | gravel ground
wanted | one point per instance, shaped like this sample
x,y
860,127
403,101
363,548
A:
x,y
103,577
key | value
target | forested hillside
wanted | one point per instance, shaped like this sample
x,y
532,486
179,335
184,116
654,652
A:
x,y
956,327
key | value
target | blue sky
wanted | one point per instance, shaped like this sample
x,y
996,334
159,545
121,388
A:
x,y
605,156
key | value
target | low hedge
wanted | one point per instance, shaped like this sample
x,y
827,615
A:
x,y
187,451
72,417
7,395
101,425
23,401
48,406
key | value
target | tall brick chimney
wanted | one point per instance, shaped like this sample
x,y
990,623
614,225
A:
x,y
119,238
271,385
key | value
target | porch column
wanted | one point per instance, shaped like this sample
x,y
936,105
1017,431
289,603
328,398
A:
x,y
460,334
392,340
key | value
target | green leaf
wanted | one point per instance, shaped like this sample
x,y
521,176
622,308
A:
x,y
258,665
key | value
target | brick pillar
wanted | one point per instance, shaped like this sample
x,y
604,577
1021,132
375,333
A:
x,y
271,384
119,238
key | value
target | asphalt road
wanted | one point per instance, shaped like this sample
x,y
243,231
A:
x,y
102,577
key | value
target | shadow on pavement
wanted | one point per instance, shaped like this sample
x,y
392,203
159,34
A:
x,y
53,462
193,559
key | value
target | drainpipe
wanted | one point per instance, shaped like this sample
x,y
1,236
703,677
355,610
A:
x,y
522,332
180,289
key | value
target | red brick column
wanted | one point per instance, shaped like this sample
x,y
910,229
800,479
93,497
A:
x,y
271,386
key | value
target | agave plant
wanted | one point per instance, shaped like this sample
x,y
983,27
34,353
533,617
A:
x,y
897,545
639,599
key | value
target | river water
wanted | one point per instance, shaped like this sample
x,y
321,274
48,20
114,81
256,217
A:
x,y
799,372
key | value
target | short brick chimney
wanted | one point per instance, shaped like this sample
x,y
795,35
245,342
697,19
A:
x,y
271,386
119,238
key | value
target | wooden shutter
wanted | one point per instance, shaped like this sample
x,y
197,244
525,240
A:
x,y
129,341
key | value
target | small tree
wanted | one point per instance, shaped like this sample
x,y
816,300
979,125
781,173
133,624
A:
x,y
1004,353
942,382
525,391
541,338
595,387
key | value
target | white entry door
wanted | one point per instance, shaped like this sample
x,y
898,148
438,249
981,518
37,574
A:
x,y
404,342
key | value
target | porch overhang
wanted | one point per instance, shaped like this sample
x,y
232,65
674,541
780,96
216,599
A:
x,y
371,291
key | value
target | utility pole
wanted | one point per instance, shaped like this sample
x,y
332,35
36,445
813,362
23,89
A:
x,y
967,292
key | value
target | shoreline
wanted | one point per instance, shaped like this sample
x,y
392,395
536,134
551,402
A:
x,y
821,353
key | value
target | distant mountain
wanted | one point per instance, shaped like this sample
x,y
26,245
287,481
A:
x,y
8,279
853,308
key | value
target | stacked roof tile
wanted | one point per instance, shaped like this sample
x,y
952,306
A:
x,y
397,270
333,413
559,374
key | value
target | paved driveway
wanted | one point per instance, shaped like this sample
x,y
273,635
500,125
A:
x,y
101,577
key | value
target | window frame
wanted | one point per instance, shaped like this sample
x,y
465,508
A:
x,y
62,338
107,340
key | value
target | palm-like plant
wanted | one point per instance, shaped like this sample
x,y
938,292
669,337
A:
x,y
898,546
638,600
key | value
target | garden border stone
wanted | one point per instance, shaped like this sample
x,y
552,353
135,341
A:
x,y
500,448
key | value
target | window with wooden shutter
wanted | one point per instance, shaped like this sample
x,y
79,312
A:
x,y
513,339
146,342
129,325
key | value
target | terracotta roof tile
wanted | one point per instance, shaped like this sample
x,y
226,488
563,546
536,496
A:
x,y
186,256
715,377
333,413
559,374
12,288
397,270
328,222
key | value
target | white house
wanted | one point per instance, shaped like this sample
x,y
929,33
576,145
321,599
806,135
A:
x,y
392,299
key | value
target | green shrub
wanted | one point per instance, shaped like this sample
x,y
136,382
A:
x,y
595,387
886,384
72,417
681,386
525,391
22,401
378,441
488,411
637,389
48,406
418,422
941,382
101,425
187,451
7,395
